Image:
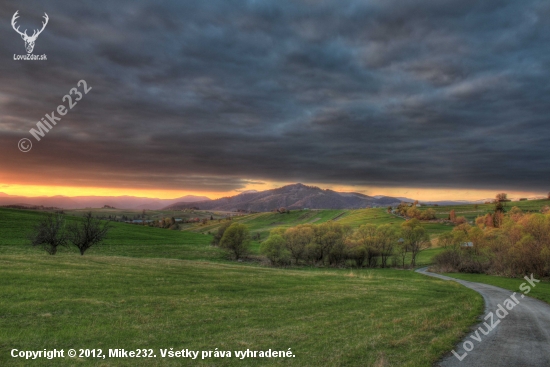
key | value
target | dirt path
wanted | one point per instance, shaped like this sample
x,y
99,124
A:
x,y
520,339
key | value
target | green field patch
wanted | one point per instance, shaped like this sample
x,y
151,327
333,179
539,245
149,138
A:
x,y
328,317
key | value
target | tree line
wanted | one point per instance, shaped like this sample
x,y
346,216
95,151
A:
x,y
335,244
330,244
512,243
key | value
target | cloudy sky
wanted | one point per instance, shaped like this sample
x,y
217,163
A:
x,y
432,99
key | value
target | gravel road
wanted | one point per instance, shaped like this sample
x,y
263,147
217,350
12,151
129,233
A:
x,y
520,339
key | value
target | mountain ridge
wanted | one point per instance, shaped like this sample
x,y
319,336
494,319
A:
x,y
90,201
294,196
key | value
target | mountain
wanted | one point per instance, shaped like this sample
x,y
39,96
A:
x,y
296,196
79,202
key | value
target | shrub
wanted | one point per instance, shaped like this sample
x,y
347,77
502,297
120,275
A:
x,y
219,234
274,248
236,240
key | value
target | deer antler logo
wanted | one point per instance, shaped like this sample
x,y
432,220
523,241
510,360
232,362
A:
x,y
29,40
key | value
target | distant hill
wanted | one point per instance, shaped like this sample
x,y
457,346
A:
x,y
79,202
296,196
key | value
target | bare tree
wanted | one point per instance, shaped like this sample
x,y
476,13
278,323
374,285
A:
x,y
88,232
502,196
49,233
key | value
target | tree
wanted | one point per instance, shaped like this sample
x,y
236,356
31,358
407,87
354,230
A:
x,y
548,197
502,196
452,215
297,239
364,237
87,232
219,233
402,249
386,238
413,212
428,214
49,233
274,248
329,242
445,240
416,237
236,240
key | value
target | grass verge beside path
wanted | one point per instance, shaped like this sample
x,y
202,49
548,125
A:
x,y
328,317
540,291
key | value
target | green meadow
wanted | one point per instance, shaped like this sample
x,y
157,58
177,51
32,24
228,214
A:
x,y
150,288
123,239
327,317
264,222
472,211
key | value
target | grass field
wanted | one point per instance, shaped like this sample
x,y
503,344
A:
x,y
141,241
327,317
540,291
264,222
123,239
472,211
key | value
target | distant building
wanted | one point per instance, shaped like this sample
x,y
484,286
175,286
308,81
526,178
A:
x,y
467,244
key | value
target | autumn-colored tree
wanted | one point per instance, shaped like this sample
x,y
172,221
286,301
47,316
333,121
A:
x,y
460,220
452,215
498,218
489,221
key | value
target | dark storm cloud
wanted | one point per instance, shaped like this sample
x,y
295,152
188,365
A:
x,y
207,94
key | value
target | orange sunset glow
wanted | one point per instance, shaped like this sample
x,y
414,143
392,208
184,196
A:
x,y
413,193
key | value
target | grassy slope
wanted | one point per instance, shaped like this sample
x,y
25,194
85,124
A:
x,y
471,213
327,317
123,239
264,222
540,291
138,241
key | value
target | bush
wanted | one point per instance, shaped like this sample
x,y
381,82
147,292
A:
x,y
219,234
274,248
236,240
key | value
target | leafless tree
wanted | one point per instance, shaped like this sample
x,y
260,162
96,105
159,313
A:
x,y
87,232
49,233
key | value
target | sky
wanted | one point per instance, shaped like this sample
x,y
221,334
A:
x,y
428,99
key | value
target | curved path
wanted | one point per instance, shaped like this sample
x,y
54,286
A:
x,y
520,339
